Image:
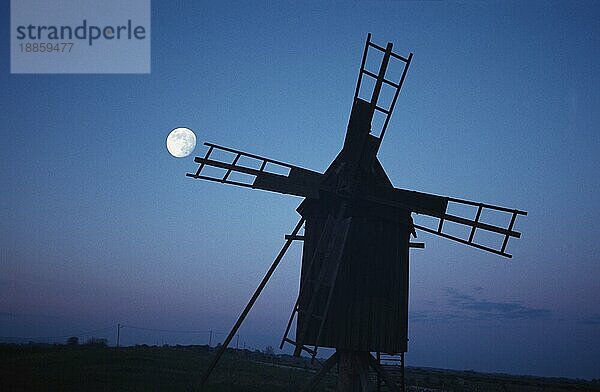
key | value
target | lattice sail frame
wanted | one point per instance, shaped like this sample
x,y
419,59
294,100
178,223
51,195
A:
x,y
268,176
476,224
380,79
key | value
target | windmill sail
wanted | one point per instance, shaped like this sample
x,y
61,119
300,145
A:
x,y
380,80
259,172
476,224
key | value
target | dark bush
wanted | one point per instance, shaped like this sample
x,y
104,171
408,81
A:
x,y
96,342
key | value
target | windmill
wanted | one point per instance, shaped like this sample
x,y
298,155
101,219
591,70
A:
x,y
353,294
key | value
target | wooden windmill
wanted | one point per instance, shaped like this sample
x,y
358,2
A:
x,y
356,232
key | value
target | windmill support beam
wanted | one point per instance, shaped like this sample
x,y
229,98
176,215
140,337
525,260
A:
x,y
329,363
353,372
294,237
383,374
250,304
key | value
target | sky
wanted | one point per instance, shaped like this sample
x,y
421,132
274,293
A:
x,y
99,224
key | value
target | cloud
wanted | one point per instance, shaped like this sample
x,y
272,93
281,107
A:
x,y
460,306
591,320
494,310
5,282
433,315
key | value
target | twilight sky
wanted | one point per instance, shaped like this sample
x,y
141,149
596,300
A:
x,y
99,224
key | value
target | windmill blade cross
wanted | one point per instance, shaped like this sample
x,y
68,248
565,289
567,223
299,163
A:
x,y
307,183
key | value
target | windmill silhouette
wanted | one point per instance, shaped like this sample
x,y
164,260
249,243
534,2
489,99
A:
x,y
356,225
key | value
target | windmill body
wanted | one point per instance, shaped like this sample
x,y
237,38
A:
x,y
367,309
357,226
354,280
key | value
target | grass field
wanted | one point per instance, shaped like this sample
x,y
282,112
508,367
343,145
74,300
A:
x,y
143,368
62,368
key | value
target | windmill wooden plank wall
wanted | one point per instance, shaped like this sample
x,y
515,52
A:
x,y
369,304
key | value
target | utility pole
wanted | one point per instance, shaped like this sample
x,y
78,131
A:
x,y
209,338
118,335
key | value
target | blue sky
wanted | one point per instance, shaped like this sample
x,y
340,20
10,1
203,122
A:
x,y
100,224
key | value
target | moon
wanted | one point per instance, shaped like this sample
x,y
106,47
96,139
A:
x,y
181,142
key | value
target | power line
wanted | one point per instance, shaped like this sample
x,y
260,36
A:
x,y
119,326
165,330
58,337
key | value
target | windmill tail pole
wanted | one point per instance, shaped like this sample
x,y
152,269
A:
x,y
246,310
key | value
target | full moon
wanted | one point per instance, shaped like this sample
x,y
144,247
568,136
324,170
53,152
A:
x,y
181,142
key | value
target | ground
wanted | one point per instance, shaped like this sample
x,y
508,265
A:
x,y
179,368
